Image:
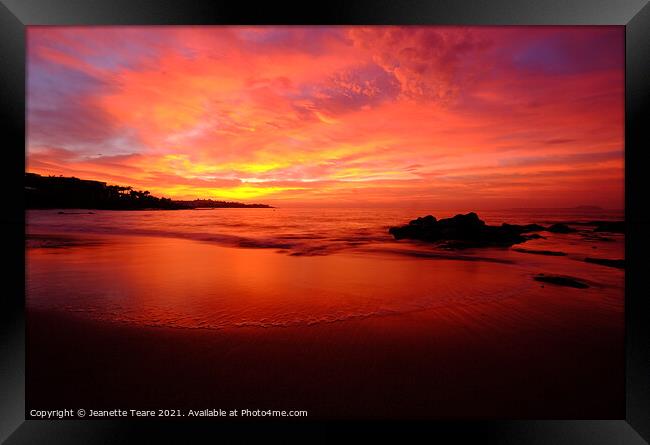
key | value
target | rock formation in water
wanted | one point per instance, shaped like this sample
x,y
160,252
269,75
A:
x,y
609,226
619,264
560,228
561,280
540,252
463,231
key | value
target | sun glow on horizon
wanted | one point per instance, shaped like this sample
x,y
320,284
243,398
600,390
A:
x,y
492,116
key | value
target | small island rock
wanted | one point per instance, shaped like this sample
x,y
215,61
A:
x,y
461,231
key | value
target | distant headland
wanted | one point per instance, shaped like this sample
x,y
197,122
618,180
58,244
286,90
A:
x,y
59,192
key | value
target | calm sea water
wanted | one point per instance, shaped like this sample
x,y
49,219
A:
x,y
226,268
298,231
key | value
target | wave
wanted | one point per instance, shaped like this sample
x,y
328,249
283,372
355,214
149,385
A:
x,y
296,246
293,244
216,321
443,255
294,233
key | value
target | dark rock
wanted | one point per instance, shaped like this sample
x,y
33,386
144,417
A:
x,y
560,228
620,264
561,280
609,226
541,252
525,228
425,221
462,231
591,236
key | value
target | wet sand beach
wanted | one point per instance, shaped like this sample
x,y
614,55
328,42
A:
x,y
377,331
481,361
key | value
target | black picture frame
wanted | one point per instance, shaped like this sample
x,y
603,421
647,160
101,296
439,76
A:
x,y
15,15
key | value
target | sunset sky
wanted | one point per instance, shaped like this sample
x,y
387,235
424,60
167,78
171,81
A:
x,y
482,117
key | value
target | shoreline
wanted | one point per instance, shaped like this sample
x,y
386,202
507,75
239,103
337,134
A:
x,y
447,363
486,342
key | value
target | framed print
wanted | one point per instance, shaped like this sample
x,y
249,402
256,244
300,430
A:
x,y
371,215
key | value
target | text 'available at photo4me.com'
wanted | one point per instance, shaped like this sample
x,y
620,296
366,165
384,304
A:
x,y
81,413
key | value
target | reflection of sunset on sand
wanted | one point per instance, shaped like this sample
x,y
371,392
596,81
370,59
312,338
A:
x,y
128,266
329,314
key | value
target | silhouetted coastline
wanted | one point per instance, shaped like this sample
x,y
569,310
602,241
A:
x,y
59,192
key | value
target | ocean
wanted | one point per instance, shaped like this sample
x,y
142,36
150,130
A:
x,y
233,268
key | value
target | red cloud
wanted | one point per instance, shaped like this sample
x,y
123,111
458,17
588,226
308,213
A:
x,y
333,115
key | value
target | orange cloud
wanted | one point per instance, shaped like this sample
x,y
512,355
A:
x,y
334,115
